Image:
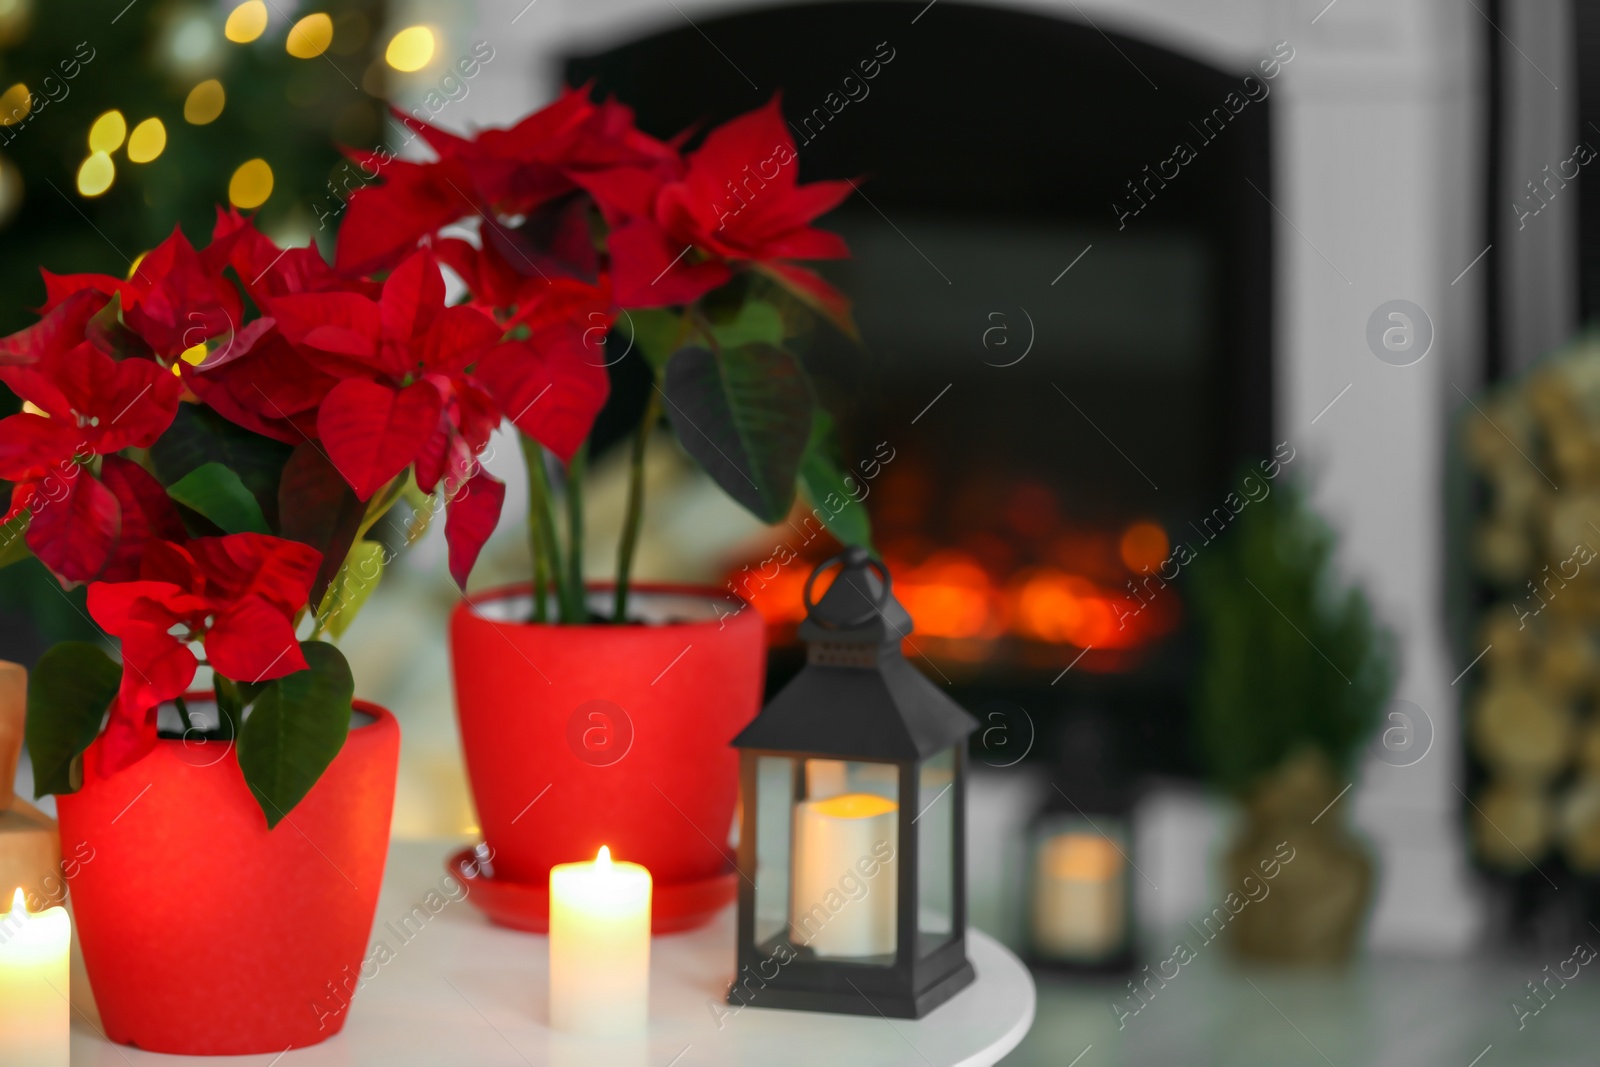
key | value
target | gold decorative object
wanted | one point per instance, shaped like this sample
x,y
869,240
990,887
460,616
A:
x,y
1580,825
1521,730
1532,722
1513,823
1313,909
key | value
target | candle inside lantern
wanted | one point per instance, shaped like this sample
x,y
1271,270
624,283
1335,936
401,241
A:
x,y
845,875
599,947
35,1014
1079,900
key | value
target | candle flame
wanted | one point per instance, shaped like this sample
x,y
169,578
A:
x,y
603,858
19,906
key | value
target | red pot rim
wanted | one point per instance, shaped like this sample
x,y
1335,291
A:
x,y
379,713
383,720
469,602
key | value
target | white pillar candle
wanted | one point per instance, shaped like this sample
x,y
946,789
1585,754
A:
x,y
35,1014
845,883
1080,903
599,947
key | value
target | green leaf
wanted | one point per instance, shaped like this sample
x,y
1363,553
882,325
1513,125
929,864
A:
x,y
297,726
217,493
68,694
756,322
831,492
198,435
745,415
317,507
357,579
655,333
13,549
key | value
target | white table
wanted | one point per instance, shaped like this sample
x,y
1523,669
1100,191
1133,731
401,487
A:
x,y
465,992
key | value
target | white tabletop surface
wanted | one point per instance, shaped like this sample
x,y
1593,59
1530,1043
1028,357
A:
x,y
466,992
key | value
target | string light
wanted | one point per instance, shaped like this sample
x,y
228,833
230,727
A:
x,y
250,185
410,49
310,37
204,103
147,141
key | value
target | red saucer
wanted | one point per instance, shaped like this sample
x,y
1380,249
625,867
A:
x,y
673,908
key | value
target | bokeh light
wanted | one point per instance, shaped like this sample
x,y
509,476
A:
x,y
96,174
15,103
108,132
1144,545
204,102
410,49
250,185
310,37
147,141
192,44
10,190
14,18
246,22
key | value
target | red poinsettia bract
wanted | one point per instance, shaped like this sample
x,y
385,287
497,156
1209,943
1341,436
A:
x,y
255,377
237,596
572,144
431,384
739,201
175,298
91,406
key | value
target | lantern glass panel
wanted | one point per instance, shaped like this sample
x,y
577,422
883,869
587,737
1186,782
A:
x,y
775,790
844,881
1080,894
936,814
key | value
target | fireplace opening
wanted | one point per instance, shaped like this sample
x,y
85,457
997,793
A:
x,y
1065,330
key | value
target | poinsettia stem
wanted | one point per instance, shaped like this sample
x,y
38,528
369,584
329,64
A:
x,y
635,513
540,592
183,713
575,470
533,459
541,509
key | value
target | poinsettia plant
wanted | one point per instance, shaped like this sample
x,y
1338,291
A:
x,y
591,236
208,442
194,447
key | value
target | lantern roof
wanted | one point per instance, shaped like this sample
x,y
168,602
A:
x,y
871,704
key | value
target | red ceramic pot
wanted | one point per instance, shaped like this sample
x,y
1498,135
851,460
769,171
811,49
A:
x,y
582,736
203,932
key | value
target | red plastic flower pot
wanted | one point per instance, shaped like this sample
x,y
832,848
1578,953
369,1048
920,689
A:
x,y
203,932
582,736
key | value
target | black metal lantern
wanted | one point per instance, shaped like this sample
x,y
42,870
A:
x,y
852,850
1080,890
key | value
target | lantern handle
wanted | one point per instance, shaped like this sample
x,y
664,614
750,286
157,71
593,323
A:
x,y
853,555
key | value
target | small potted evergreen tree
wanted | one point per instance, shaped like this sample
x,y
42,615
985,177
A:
x,y
1293,676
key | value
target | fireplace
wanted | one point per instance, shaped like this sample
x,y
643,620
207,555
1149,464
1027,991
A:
x,y
1066,324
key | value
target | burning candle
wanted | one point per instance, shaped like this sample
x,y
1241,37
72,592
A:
x,y
844,889
1079,909
35,1014
599,947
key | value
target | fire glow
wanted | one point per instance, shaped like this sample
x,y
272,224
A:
x,y
968,609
